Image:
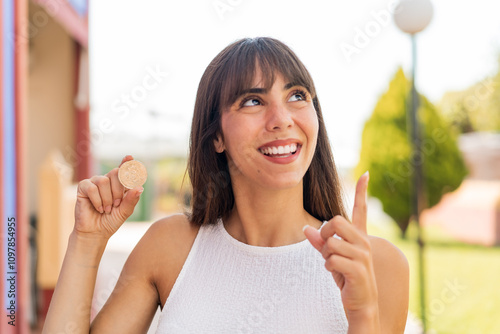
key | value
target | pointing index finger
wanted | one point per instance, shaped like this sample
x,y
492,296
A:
x,y
360,206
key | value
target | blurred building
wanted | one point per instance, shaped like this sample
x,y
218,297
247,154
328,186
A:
x,y
44,120
472,212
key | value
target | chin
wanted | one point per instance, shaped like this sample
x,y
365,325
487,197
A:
x,y
283,182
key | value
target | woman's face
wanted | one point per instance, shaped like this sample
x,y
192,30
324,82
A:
x,y
269,136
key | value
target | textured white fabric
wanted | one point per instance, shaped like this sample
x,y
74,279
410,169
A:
x,y
227,286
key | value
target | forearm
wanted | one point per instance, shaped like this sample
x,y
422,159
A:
x,y
367,322
70,306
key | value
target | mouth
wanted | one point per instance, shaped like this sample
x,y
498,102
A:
x,y
283,151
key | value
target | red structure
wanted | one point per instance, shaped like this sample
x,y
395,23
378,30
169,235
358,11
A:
x,y
24,23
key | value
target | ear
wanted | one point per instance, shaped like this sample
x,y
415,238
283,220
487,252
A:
x,y
219,144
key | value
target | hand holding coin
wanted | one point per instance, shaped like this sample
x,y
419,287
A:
x,y
104,202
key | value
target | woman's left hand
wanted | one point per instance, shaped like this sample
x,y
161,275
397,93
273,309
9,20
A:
x,y
349,258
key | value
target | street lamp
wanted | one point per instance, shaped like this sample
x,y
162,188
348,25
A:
x,y
413,16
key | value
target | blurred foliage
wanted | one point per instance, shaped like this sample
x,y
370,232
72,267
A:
x,y
172,189
166,191
476,108
460,280
386,153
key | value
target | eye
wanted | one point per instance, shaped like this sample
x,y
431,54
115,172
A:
x,y
250,102
298,95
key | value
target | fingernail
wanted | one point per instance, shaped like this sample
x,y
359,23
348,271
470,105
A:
x,y
139,192
100,209
304,228
108,209
117,202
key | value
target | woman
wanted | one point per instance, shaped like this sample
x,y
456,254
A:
x,y
266,220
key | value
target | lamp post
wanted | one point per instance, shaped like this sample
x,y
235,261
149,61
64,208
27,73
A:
x,y
413,16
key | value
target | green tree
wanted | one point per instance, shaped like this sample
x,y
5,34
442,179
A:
x,y
386,153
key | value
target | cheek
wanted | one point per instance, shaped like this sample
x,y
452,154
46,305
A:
x,y
315,125
237,134
314,136
310,124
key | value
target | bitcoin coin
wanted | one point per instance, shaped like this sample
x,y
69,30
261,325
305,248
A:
x,y
132,174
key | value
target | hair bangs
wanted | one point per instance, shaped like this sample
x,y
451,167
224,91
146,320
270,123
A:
x,y
256,55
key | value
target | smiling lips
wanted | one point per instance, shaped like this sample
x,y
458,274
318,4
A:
x,y
279,151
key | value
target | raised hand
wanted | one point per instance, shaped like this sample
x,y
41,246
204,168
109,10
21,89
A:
x,y
348,255
103,204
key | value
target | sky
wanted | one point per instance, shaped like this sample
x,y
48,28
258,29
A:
x,y
147,57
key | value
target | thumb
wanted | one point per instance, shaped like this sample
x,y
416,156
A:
x,y
129,201
314,237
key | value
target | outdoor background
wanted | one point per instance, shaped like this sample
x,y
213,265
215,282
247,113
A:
x,y
85,83
353,50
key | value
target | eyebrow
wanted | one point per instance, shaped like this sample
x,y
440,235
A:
x,y
264,90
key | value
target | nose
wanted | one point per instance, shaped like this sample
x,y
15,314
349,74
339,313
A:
x,y
278,117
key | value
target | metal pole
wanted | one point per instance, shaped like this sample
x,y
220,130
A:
x,y
417,193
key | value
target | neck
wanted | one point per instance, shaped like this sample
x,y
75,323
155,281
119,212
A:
x,y
268,218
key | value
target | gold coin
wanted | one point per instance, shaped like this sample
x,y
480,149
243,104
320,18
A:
x,y
132,174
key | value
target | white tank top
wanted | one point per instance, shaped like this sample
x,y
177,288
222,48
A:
x,y
227,286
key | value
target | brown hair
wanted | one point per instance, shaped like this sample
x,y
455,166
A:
x,y
228,75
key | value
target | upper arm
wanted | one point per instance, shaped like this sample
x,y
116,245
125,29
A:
x,y
392,276
135,298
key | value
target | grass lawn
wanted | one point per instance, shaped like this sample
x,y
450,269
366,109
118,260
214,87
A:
x,y
463,282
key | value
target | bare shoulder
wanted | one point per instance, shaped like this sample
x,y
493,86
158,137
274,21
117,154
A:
x,y
387,254
389,262
171,231
392,276
169,241
165,238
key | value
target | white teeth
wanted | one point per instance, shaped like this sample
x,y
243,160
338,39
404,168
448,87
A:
x,y
287,149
